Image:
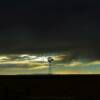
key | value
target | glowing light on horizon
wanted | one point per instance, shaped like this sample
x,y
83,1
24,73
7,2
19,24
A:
x,y
36,63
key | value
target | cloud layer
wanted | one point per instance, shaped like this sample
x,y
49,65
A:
x,y
15,64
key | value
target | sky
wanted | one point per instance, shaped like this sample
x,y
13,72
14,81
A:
x,y
41,27
28,25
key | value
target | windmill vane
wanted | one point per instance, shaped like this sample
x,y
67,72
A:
x,y
50,59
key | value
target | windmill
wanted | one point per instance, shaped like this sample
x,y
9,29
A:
x,y
50,60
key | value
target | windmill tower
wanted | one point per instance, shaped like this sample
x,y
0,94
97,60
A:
x,y
50,60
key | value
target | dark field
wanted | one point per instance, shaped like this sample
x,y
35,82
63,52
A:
x,y
54,87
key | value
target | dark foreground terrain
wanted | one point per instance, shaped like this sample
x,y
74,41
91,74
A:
x,y
54,87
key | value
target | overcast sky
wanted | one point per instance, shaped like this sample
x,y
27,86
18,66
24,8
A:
x,y
67,29
28,25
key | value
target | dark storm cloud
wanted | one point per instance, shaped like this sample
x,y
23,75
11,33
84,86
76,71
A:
x,y
50,25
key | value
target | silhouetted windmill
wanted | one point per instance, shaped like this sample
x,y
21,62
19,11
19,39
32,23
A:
x,y
50,60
